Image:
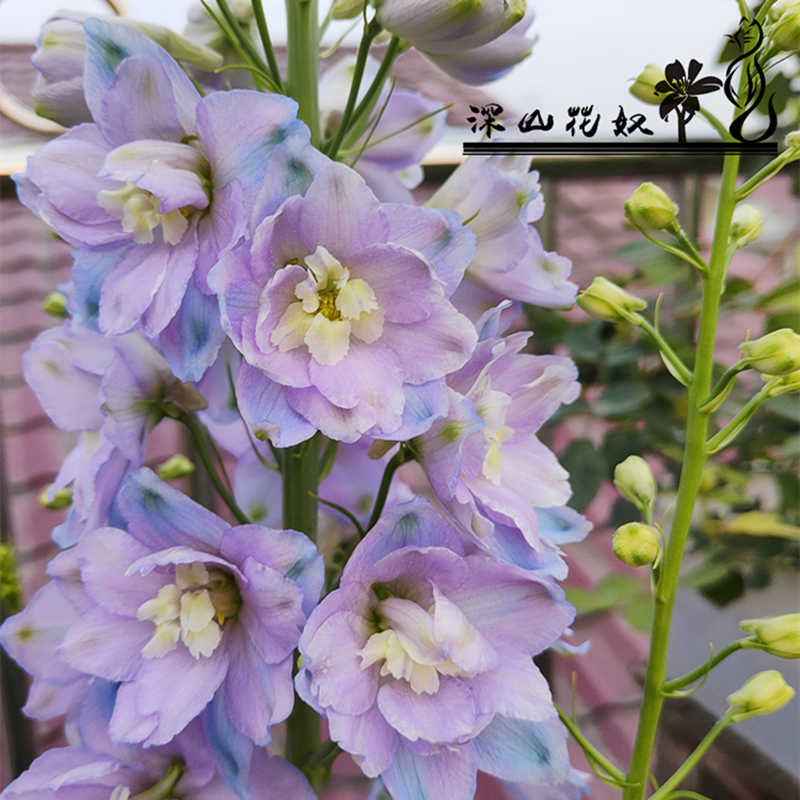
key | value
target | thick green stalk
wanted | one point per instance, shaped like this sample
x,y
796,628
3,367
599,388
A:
x,y
302,69
694,460
300,477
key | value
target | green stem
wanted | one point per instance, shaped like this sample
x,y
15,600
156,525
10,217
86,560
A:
x,y
723,387
672,686
197,432
263,31
716,125
700,265
371,30
724,437
693,463
386,481
302,70
591,751
244,40
763,175
664,346
300,476
694,758
676,230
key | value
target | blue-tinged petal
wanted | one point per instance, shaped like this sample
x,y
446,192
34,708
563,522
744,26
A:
x,y
449,773
412,524
219,230
439,234
93,719
139,104
524,751
562,525
108,46
446,716
107,645
257,695
425,403
47,700
89,272
239,129
368,736
265,408
160,516
489,324
169,691
232,750
290,553
273,778
342,424
192,339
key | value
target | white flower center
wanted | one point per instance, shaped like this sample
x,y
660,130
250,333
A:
x,y
138,210
418,646
331,307
192,610
492,407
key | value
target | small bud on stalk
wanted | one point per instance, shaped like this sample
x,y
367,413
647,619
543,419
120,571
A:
x,y
644,87
746,225
634,480
650,209
347,9
779,636
55,304
636,545
764,693
605,300
55,501
176,467
776,353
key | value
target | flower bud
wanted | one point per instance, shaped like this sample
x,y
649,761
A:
x,y
10,588
792,140
634,480
55,501
787,383
746,224
777,353
448,26
605,300
779,636
176,467
347,9
644,87
635,544
764,693
650,209
55,304
784,27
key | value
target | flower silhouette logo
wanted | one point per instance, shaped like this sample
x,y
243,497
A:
x,y
681,90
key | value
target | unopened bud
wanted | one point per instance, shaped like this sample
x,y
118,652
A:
x,y
784,27
55,304
792,140
764,693
605,300
650,209
644,87
787,383
55,501
176,467
746,225
779,636
635,544
634,480
10,589
347,9
777,353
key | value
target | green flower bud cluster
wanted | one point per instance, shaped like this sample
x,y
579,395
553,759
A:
x,y
636,545
784,24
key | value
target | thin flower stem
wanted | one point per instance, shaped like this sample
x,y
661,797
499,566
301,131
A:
x,y
263,32
724,437
349,514
591,751
196,431
724,133
763,175
700,265
675,360
695,456
672,686
244,39
687,245
690,763
371,30
383,492
724,385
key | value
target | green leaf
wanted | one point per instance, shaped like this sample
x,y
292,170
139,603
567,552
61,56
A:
x,y
611,592
640,613
587,470
621,399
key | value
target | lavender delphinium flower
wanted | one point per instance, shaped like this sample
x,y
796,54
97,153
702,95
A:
x,y
339,307
155,191
422,662
498,198
112,392
484,461
190,615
